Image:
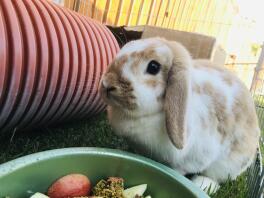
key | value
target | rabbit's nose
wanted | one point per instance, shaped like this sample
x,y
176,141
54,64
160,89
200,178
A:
x,y
108,87
104,83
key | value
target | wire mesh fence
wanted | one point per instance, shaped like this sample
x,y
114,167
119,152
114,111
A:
x,y
256,172
255,175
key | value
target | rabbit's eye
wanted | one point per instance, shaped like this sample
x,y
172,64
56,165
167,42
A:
x,y
153,67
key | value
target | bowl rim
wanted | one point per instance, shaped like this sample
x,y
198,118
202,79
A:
x,y
16,164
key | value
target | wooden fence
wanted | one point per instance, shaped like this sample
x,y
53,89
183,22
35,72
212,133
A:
x,y
218,18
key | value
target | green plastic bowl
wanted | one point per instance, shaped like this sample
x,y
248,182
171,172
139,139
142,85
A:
x,y
35,173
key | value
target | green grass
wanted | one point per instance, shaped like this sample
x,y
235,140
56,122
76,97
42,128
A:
x,y
92,132
232,189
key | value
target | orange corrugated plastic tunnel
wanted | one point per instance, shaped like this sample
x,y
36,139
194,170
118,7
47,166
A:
x,y
51,61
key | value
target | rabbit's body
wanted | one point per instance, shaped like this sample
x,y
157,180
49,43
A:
x,y
207,150
150,133
218,114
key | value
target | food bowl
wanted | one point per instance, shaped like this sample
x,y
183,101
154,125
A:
x,y
35,173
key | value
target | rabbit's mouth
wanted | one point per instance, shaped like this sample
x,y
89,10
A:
x,y
118,98
122,102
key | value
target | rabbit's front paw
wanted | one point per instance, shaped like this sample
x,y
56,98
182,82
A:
x,y
206,184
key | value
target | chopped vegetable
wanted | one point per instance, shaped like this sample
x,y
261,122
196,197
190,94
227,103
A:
x,y
113,187
79,186
135,191
39,195
73,185
89,197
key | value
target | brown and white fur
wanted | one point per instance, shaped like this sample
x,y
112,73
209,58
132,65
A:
x,y
195,116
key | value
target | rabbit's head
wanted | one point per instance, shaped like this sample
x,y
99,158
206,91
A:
x,y
149,76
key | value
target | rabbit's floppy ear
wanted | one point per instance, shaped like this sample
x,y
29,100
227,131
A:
x,y
177,95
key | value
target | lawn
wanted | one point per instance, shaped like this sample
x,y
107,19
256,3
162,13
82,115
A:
x,y
94,132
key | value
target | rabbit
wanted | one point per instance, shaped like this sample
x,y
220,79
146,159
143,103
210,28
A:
x,y
193,115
